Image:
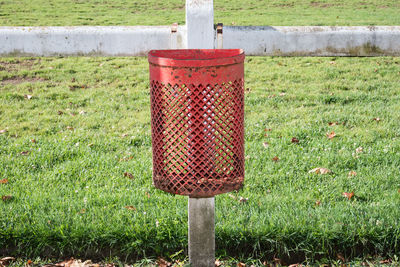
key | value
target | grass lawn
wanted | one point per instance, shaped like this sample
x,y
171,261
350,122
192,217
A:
x,y
75,156
236,12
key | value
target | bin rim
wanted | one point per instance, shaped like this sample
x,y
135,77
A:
x,y
195,57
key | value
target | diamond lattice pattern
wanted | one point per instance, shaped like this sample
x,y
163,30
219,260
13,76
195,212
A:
x,y
197,136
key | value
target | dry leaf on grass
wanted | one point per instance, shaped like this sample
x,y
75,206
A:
x,y
377,119
317,203
275,159
60,112
352,173
331,135
241,264
359,149
6,261
6,198
4,181
129,175
130,208
295,140
348,195
70,128
217,263
243,200
265,144
163,263
333,123
320,170
24,153
33,141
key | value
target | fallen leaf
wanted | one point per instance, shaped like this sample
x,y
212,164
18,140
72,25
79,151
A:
x,y
333,123
241,264
130,208
271,96
295,140
265,144
82,211
388,261
377,119
267,129
348,195
33,141
6,261
24,153
332,62
90,145
317,203
29,262
4,181
70,128
282,94
129,175
340,257
147,194
82,112
331,135
126,158
3,131
124,135
275,159
60,112
295,265
359,150
243,200
217,263
163,263
28,96
247,90
320,170
352,173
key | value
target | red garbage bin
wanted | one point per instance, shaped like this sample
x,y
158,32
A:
x,y
197,120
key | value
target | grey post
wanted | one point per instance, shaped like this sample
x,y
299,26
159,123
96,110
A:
x,y
200,34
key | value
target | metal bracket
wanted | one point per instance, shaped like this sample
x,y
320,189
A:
x,y
219,35
174,36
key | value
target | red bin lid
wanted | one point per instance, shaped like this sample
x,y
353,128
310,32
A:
x,y
196,57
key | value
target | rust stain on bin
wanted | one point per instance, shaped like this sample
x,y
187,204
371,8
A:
x,y
197,117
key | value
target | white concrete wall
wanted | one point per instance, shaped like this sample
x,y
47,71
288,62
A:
x,y
314,41
255,40
92,40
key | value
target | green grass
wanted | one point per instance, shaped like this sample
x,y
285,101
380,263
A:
x,y
90,119
153,12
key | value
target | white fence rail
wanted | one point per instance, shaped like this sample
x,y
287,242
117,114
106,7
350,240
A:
x,y
255,40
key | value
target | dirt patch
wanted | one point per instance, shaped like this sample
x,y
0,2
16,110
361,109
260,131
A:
x,y
284,5
322,4
14,80
18,64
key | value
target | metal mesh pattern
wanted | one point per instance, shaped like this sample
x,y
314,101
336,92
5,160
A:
x,y
198,137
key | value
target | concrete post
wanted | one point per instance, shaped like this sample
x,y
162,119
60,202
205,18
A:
x,y
200,24
201,232
200,34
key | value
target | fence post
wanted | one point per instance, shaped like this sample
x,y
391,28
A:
x,y
200,34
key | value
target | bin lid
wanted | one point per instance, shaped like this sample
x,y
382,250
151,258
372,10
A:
x,y
196,57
